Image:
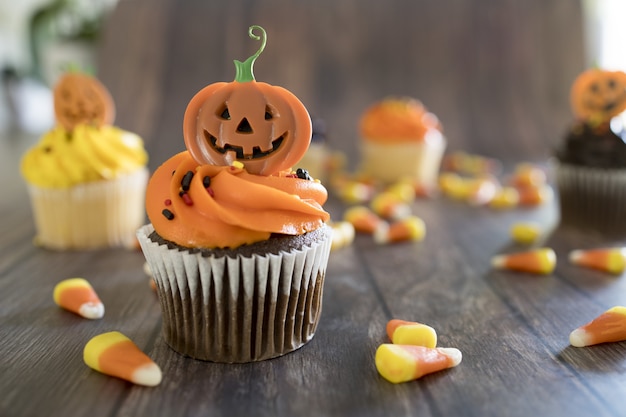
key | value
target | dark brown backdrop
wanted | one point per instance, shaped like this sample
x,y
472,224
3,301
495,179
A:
x,y
496,72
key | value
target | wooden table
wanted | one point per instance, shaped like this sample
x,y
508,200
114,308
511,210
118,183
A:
x,y
511,327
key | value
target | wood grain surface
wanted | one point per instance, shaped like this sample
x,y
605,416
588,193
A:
x,y
496,72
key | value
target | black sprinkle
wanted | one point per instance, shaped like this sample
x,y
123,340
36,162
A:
x,y
168,214
186,181
303,174
206,181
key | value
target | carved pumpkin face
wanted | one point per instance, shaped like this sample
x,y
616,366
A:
x,y
598,95
263,126
81,99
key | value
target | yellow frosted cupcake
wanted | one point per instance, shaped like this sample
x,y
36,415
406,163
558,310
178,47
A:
x,y
400,139
86,179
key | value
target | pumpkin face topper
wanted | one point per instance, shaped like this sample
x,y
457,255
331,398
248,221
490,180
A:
x,y
263,126
598,95
82,99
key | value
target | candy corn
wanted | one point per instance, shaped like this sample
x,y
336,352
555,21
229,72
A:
x,y
116,355
402,332
389,206
402,363
481,190
539,261
612,260
535,195
363,219
404,191
411,228
610,326
525,233
528,175
343,234
354,192
505,198
78,296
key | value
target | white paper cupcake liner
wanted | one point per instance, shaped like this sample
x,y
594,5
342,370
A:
x,y
91,215
592,199
240,309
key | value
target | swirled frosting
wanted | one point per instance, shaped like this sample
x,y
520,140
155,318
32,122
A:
x,y
208,206
63,159
397,120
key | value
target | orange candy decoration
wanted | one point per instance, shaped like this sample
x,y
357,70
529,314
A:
x,y
263,126
598,95
82,99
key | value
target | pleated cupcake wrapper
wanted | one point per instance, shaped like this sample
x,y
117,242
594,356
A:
x,y
91,215
592,199
241,309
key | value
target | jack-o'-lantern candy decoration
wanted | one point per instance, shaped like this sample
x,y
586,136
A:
x,y
598,95
263,126
81,99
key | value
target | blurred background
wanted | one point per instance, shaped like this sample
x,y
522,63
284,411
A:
x,y
496,72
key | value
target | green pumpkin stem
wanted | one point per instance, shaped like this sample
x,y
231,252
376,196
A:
x,y
244,70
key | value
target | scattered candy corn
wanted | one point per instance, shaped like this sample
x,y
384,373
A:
x,y
402,363
78,296
116,355
411,228
505,198
535,195
402,332
389,206
528,175
355,192
525,233
481,190
538,261
363,219
343,234
610,326
612,260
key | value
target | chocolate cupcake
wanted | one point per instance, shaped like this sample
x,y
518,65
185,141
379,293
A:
x,y
591,163
238,244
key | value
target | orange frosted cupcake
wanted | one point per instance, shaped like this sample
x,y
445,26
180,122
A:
x,y
238,243
401,139
86,178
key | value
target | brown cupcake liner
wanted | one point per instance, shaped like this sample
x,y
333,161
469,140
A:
x,y
592,199
241,309
92,215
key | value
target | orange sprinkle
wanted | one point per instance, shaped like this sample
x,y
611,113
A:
x,y
116,355
610,326
612,260
539,261
78,296
402,363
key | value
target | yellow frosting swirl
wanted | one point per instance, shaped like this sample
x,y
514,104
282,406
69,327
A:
x,y
65,158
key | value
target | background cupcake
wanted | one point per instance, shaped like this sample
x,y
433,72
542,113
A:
x,y
591,163
400,139
238,244
86,179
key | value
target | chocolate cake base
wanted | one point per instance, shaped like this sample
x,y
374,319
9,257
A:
x,y
252,303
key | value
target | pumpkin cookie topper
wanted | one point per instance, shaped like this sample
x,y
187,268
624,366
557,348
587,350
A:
x,y
598,95
82,99
265,127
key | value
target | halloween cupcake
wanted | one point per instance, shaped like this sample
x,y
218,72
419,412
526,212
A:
x,y
86,178
591,162
400,139
237,241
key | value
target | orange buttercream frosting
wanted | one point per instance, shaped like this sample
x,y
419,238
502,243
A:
x,y
207,206
397,120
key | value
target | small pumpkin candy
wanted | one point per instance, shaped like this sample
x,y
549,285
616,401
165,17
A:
x,y
265,127
82,99
598,95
